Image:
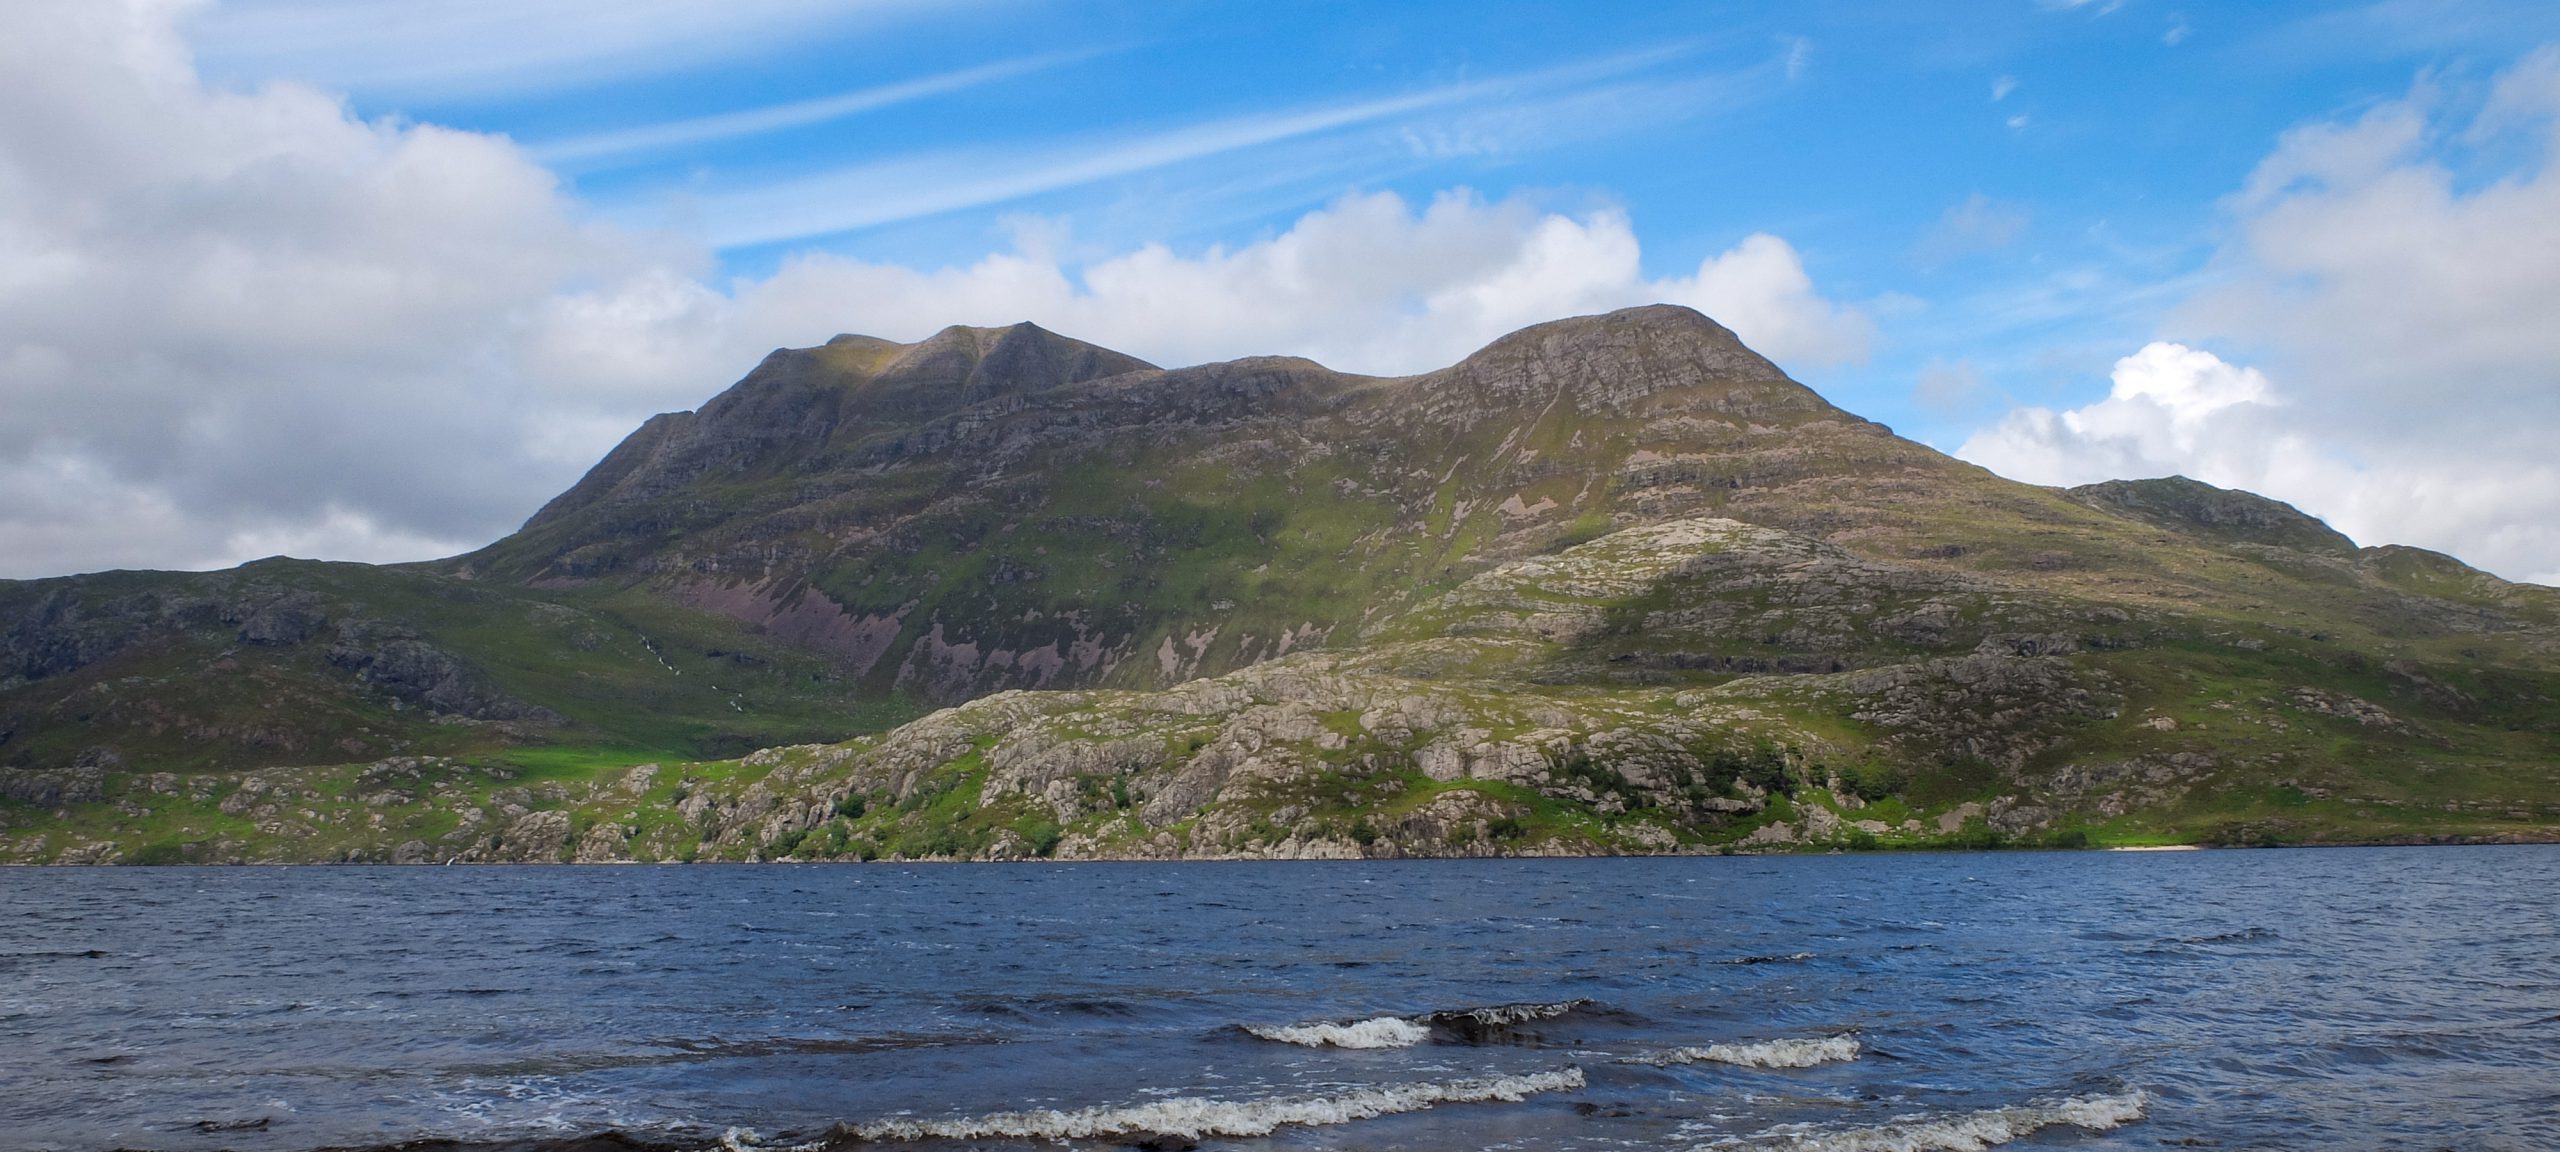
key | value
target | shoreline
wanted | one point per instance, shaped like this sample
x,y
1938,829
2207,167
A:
x,y
2146,849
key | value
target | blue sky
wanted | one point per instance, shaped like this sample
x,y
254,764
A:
x,y
2027,187
1999,226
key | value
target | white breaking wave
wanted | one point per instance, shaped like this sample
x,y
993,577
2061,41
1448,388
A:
x,y
1969,1132
744,1140
1383,1032
1765,1054
1511,1013
1193,1118
1407,1031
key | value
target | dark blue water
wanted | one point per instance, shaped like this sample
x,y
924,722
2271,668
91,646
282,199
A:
x,y
2365,998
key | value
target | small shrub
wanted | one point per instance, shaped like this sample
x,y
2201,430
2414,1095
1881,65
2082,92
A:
x,y
158,854
852,806
1603,779
1874,781
1763,767
1507,828
1981,839
1363,832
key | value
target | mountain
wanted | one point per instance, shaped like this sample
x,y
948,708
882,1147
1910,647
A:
x,y
1613,583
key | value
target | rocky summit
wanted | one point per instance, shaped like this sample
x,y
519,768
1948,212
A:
x,y
1612,584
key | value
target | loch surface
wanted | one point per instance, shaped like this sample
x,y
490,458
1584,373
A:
x,y
2343,998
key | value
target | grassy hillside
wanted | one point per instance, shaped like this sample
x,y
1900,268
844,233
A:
x,y
1613,584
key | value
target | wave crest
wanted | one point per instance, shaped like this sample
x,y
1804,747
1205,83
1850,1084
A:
x,y
1459,1025
1502,1014
1382,1032
1194,1117
1788,1053
1969,1132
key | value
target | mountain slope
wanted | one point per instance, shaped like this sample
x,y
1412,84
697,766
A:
x,y
1612,583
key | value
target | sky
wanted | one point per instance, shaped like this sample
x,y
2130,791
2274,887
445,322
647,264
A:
x,y
348,280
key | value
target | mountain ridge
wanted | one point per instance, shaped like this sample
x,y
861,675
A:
x,y
1678,599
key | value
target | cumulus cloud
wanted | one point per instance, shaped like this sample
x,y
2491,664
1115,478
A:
x,y
2169,409
2407,385
237,322
229,319
1368,284
1371,283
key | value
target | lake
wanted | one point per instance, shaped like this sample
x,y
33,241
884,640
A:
x,y
2341,998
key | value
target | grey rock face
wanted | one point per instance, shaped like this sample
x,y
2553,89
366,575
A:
x,y
52,789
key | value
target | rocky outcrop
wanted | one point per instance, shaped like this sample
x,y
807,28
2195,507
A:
x,y
390,658
2217,514
52,789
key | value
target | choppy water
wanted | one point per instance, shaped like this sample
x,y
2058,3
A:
x,y
2381,998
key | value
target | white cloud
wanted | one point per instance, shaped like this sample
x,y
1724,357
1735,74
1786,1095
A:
x,y
235,322
1369,284
2170,408
647,138
2406,320
1761,291
907,188
230,320
910,187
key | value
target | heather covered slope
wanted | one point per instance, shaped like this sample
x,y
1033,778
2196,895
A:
x,y
1143,526
1613,583
1096,521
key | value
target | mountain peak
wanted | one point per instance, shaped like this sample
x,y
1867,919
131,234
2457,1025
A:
x,y
2223,514
961,365
1633,361
800,402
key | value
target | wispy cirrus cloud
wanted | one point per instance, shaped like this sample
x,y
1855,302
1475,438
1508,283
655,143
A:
x,y
904,188
586,150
